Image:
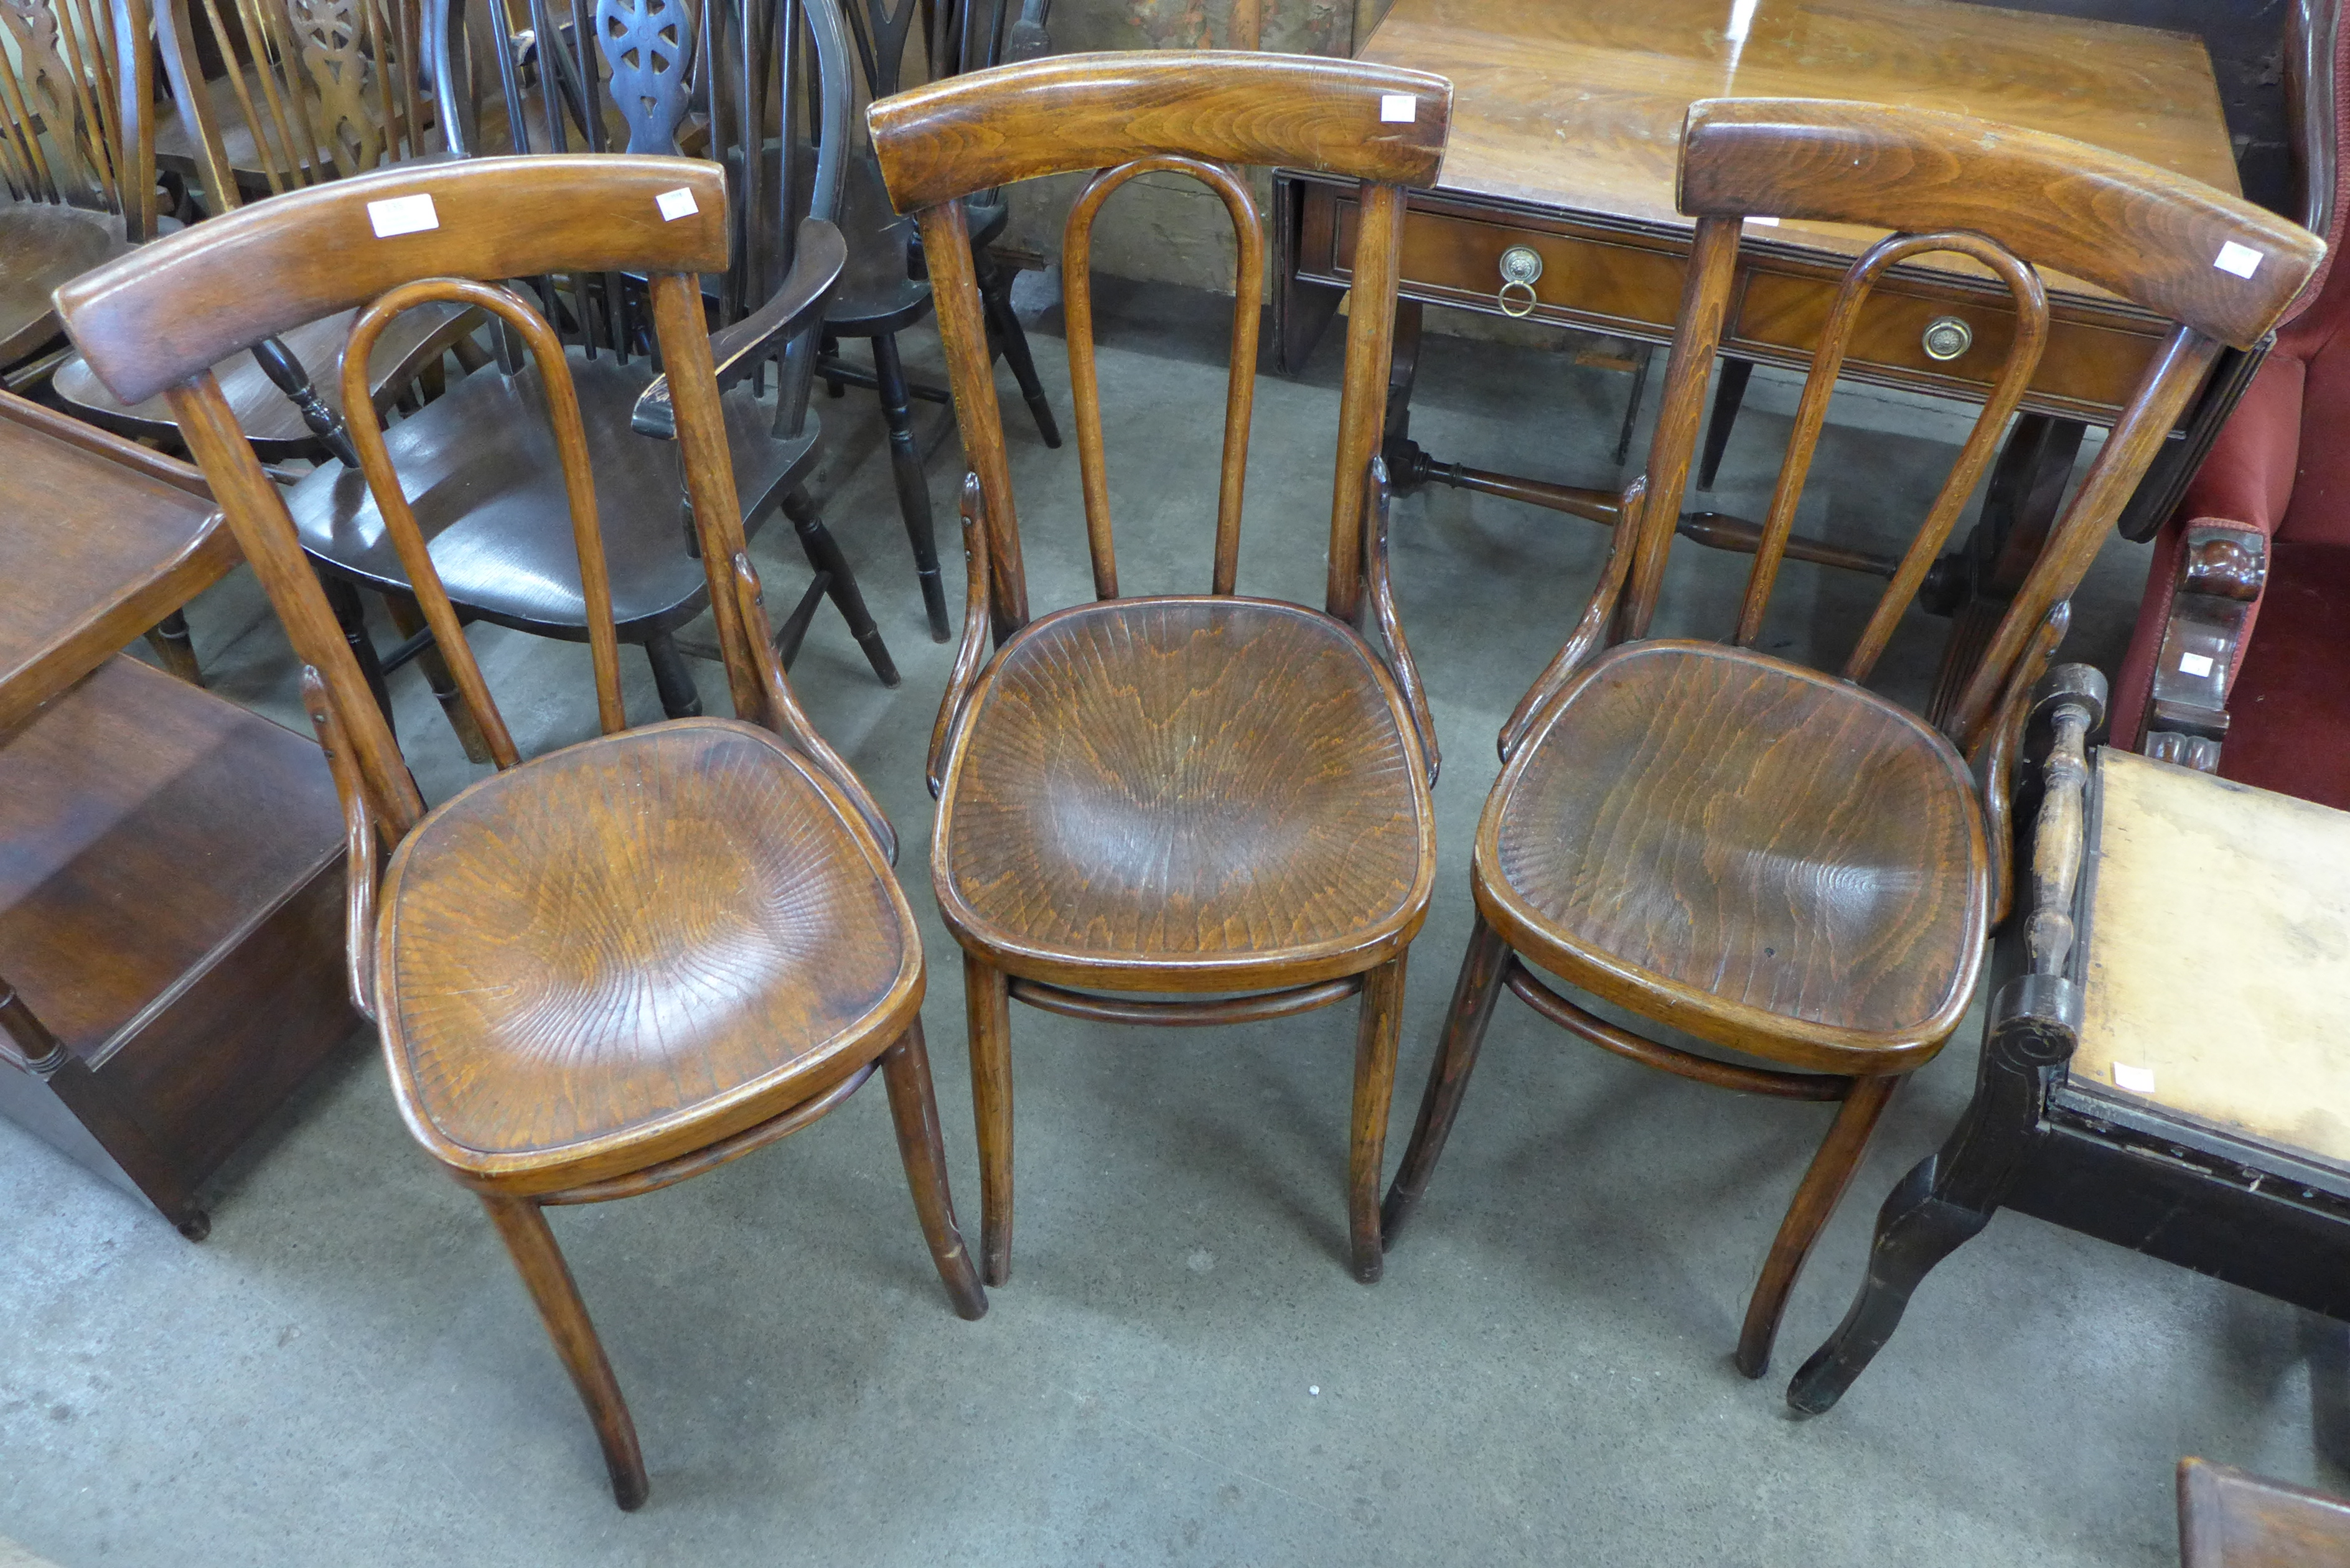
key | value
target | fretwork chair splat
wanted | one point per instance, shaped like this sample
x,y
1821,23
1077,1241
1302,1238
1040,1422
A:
x,y
611,968
1776,861
1175,808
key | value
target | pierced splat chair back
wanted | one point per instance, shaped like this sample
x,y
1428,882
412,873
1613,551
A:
x,y
60,130
321,252
1205,115
665,77
2218,267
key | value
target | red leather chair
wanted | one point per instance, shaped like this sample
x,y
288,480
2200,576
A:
x,y
2262,538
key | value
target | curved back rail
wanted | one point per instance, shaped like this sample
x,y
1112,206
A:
x,y
2221,268
61,106
155,321
1205,113
1077,303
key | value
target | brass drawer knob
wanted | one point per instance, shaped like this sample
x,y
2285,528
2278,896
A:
x,y
1521,265
1946,337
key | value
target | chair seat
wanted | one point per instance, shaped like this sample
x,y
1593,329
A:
x,y
657,938
41,246
1186,794
268,415
479,467
878,292
1769,858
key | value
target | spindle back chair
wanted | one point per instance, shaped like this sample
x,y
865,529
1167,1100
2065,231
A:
x,y
1779,862
62,161
1175,794
628,961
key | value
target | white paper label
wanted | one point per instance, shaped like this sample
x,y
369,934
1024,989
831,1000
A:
x,y
1398,107
2136,1080
1766,223
402,216
2241,260
2195,664
675,204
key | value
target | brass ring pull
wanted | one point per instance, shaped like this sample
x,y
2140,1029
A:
x,y
1521,265
1946,337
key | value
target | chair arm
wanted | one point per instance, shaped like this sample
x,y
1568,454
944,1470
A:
x,y
2071,703
1591,633
975,622
2223,569
820,255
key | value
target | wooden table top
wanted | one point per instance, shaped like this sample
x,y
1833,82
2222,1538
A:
x,y
1577,104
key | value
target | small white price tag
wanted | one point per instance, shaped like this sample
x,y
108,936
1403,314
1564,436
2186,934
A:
x,y
402,216
2241,260
1399,108
675,204
2136,1080
1766,223
2197,664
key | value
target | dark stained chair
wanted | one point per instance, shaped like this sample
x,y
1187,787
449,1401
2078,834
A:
x,y
630,960
1179,796
1774,860
887,288
482,475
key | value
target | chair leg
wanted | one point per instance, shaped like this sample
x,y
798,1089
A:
x,y
522,1225
1916,1230
914,1109
408,620
823,552
913,485
987,1004
351,614
1378,1025
1823,1183
1482,967
995,298
172,642
672,677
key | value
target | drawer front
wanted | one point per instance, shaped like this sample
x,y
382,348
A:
x,y
1620,283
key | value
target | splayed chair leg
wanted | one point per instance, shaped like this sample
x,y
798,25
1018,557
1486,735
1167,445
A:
x,y
914,1109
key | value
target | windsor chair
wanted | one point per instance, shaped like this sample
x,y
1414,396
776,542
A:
x,y
1773,859
1203,795
630,960
887,290
270,391
495,501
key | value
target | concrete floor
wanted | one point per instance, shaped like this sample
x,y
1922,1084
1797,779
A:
x,y
1182,1368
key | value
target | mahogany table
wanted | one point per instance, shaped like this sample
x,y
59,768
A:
x,y
1565,129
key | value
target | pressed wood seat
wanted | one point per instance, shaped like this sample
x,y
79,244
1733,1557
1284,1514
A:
x,y
1168,797
1776,861
1694,821
1219,783
652,967
497,512
614,967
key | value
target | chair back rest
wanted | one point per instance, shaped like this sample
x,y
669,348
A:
x,y
60,103
1199,114
964,35
383,242
324,88
708,80
2220,268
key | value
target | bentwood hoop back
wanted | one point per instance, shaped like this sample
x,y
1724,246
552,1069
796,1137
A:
x,y
630,960
1175,794
1775,860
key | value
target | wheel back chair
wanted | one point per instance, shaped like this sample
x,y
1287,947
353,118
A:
x,y
484,478
351,50
1774,860
1175,794
887,288
633,959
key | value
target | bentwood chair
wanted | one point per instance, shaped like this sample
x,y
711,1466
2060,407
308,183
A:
x,y
630,960
887,288
1774,860
1189,795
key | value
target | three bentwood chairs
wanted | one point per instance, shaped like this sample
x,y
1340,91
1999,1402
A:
x,y
632,960
1774,860
1175,809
